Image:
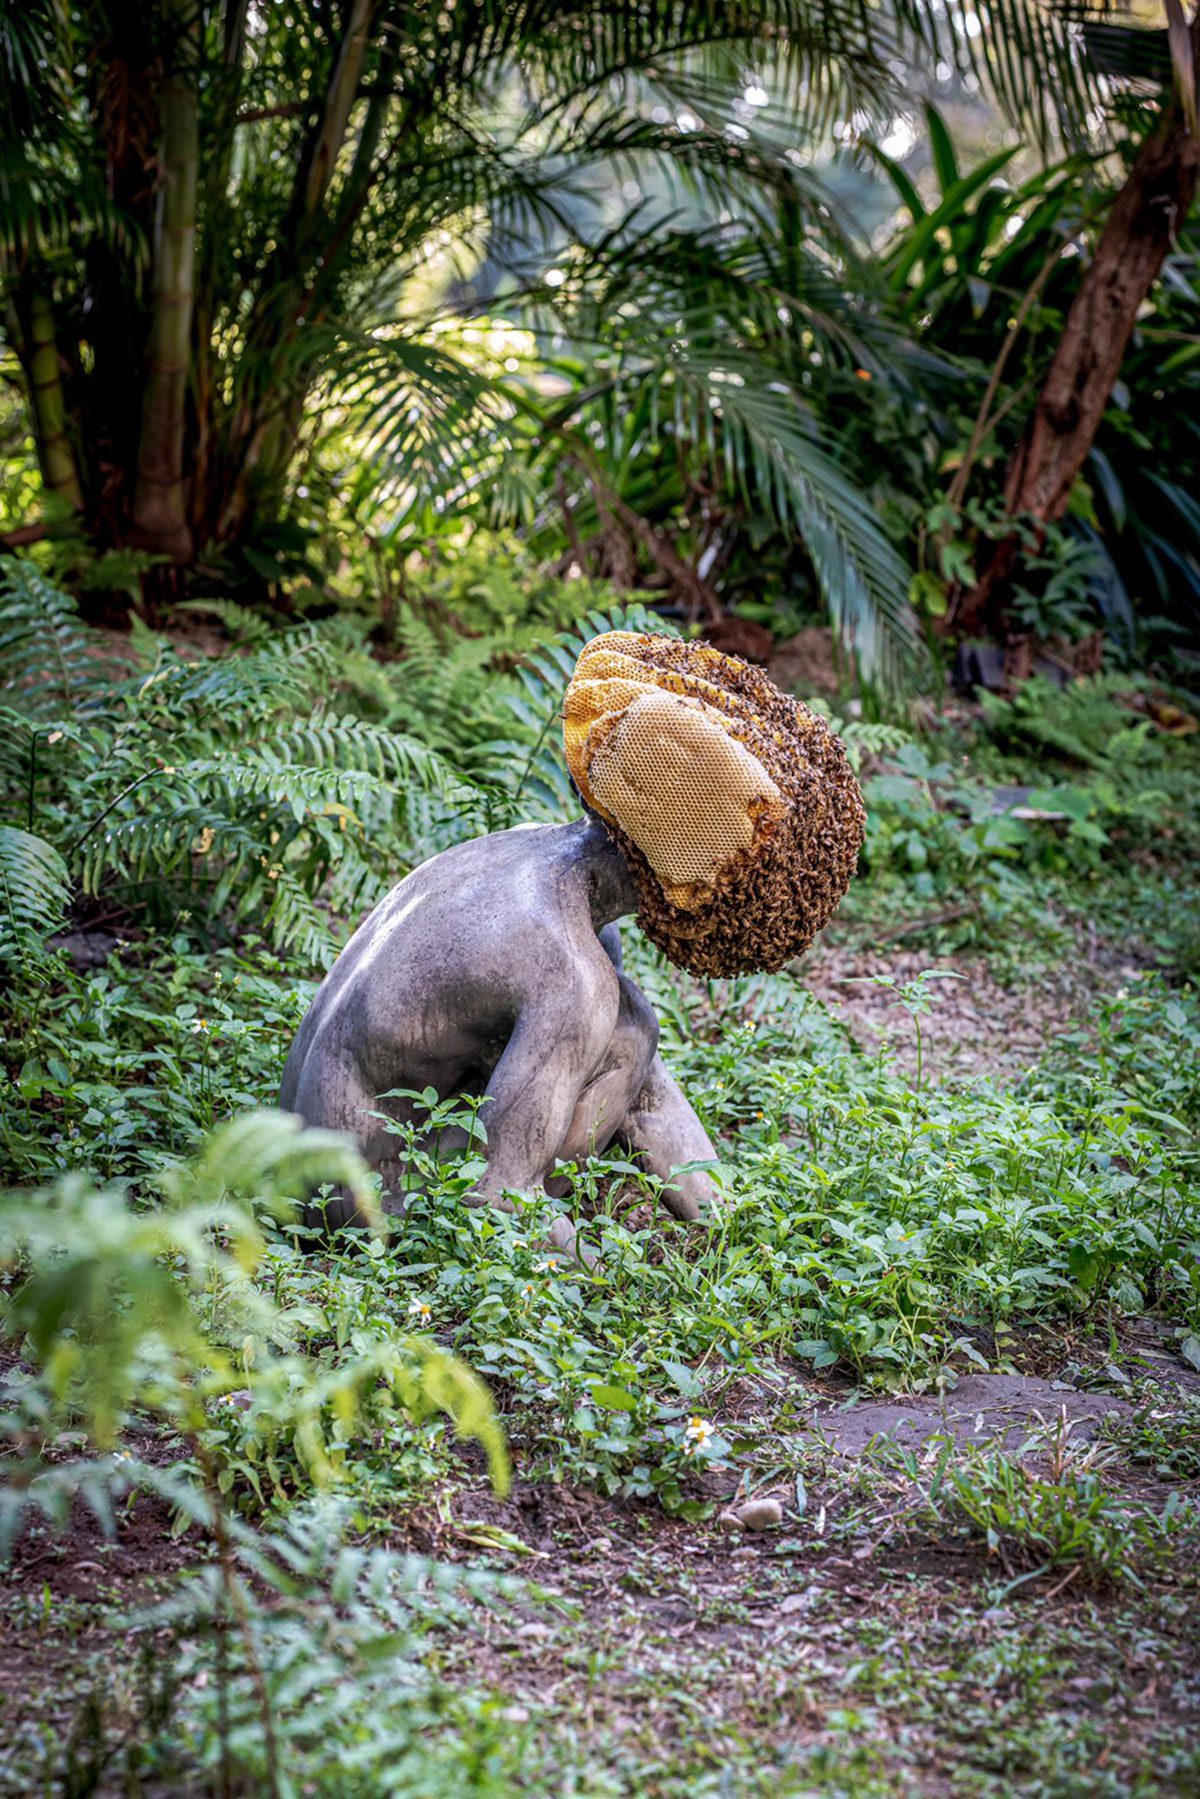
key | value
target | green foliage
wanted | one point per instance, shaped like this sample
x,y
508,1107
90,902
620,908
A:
x,y
956,825
119,1304
1086,722
296,1656
335,1649
34,892
1031,1522
119,1068
50,661
1163,1431
984,275
341,196
225,784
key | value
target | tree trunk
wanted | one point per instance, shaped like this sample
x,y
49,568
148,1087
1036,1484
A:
x,y
266,434
160,512
124,87
55,453
1145,220
217,209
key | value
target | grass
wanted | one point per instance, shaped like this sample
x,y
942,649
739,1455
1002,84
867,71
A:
x,y
226,1596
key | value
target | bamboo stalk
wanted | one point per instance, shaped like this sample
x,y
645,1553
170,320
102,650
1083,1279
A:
x,y
338,101
57,458
268,433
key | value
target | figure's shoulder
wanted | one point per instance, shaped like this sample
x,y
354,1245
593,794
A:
x,y
519,890
494,857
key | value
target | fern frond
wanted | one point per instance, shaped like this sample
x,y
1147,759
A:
x,y
297,924
35,891
49,658
242,624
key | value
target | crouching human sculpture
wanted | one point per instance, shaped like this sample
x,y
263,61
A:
x,y
721,812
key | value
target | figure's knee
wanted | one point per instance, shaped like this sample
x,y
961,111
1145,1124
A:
x,y
327,1095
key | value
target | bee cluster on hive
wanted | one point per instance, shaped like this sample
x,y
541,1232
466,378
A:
x,y
735,807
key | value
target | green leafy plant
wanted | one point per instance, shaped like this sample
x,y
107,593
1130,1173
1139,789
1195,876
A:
x,y
134,775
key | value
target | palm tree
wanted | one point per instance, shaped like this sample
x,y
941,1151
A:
x,y
213,219
1146,218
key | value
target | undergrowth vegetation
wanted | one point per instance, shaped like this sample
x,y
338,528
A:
x,y
186,838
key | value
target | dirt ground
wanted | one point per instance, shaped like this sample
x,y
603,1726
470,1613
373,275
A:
x,y
977,1026
854,1641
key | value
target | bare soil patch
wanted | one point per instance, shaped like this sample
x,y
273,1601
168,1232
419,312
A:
x,y
996,1411
977,1027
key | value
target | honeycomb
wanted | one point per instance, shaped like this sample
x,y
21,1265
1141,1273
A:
x,y
734,805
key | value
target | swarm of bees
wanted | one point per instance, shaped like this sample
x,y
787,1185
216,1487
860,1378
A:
x,y
734,806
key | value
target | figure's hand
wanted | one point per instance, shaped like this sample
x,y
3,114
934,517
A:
x,y
563,1235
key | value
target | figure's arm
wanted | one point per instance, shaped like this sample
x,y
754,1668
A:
x,y
662,1127
531,1097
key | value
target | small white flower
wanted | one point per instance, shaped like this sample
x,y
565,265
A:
x,y
200,1025
699,1430
546,1266
420,1308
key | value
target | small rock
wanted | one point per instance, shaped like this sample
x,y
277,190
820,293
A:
x,y
760,1514
796,1602
728,1520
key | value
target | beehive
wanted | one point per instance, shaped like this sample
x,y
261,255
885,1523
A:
x,y
734,805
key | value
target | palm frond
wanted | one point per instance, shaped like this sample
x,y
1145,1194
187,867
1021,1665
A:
x,y
525,771
766,439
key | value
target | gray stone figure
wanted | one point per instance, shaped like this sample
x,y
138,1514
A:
x,y
495,970
722,812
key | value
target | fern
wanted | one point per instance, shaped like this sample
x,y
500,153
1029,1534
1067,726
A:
x,y
240,623
1083,722
51,662
231,785
864,739
35,890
